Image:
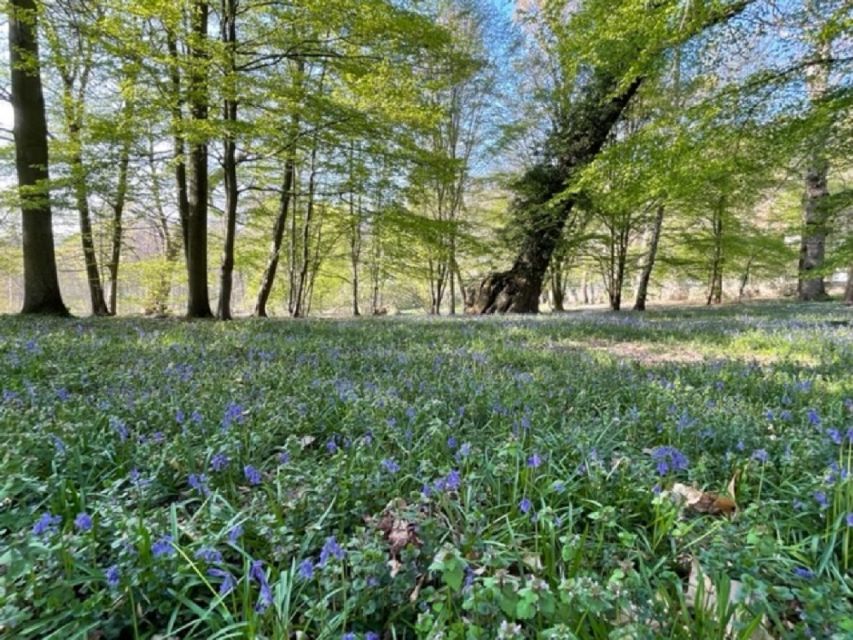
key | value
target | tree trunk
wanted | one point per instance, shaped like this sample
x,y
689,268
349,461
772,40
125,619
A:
x,y
813,244
179,152
73,116
558,294
744,280
198,302
118,213
646,276
229,160
302,276
582,134
268,278
848,290
41,283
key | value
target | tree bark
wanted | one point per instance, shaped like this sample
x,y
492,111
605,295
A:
x,y
229,161
815,215
848,290
198,302
268,278
41,282
646,275
583,132
117,230
179,152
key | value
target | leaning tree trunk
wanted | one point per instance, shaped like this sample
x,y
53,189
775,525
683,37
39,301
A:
x,y
646,276
117,231
268,279
229,160
41,283
580,138
198,302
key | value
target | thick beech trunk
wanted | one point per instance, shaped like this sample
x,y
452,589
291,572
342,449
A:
x,y
646,275
581,137
229,160
813,244
198,302
41,283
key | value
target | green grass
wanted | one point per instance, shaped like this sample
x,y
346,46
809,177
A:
x,y
407,445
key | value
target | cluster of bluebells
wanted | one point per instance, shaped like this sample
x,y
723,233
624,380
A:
x,y
669,460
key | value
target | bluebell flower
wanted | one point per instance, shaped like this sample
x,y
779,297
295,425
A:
x,y
58,444
821,499
391,422
834,435
196,417
228,581
233,414
371,635
63,394
112,576
760,455
525,505
209,555
669,459
179,416
306,569
283,457
390,466
199,483
235,533
46,524
452,481
253,476
349,635
559,486
451,442
163,547
849,519
257,573
740,446
786,415
120,428
219,461
331,549
83,521
331,445
464,451
813,417
410,413
802,572
534,461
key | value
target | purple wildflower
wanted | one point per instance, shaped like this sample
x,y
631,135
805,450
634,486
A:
x,y
760,455
390,466
209,555
813,417
228,581
802,572
46,524
256,571
849,519
199,483
306,569
253,476
534,461
821,499
834,435
669,459
113,576
163,547
235,533
331,549
219,461
233,414
525,505
371,635
83,521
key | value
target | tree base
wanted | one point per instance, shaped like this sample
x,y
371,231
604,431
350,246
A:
x,y
504,292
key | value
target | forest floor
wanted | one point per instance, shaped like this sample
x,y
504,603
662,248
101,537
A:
x,y
684,473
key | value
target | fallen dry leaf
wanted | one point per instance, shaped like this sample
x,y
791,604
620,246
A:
x,y
703,502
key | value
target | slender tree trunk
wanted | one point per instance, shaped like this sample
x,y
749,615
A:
x,y
355,254
198,302
179,153
229,162
302,277
268,278
646,275
73,116
159,294
848,290
41,283
744,280
117,230
815,215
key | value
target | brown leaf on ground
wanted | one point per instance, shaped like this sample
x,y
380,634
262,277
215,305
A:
x,y
399,532
703,502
